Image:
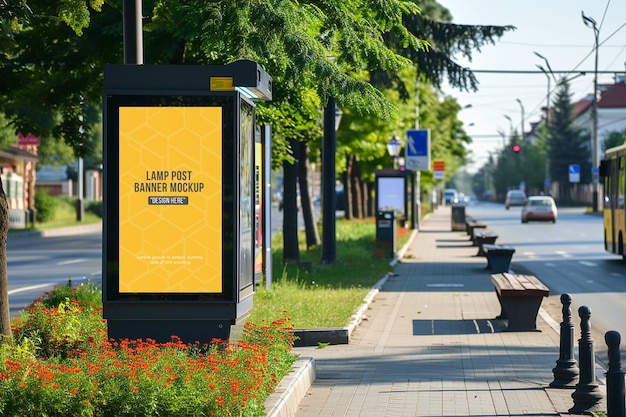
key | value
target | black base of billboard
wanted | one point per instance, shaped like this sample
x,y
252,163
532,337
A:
x,y
161,331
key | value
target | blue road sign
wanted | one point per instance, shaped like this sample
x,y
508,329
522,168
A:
x,y
574,173
417,149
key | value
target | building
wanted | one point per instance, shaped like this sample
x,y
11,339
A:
x,y
18,175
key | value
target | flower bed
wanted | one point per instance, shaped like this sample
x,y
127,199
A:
x,y
61,364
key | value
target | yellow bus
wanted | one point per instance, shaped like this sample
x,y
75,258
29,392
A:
x,y
613,172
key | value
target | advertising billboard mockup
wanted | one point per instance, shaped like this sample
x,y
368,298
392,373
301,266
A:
x,y
180,202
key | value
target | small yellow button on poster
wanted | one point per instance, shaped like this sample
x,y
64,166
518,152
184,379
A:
x,y
170,199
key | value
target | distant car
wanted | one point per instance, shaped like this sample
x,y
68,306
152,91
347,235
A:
x,y
539,208
515,198
450,196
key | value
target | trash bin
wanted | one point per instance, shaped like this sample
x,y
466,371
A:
x,y
386,230
458,217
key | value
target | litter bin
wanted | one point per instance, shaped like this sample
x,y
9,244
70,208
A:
x,y
386,230
458,217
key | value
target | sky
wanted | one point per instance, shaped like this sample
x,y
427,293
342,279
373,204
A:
x,y
555,30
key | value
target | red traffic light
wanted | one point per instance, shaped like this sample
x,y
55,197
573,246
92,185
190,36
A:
x,y
517,148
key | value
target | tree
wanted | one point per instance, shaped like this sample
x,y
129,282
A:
x,y
567,145
615,138
5,312
322,47
52,77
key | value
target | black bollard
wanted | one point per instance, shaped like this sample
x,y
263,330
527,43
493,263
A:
x,y
615,396
566,370
587,394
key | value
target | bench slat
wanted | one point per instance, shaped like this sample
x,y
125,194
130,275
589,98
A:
x,y
498,248
519,285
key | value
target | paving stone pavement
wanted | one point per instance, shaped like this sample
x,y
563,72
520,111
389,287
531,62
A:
x,y
429,344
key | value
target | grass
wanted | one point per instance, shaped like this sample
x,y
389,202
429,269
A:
x,y
329,295
64,216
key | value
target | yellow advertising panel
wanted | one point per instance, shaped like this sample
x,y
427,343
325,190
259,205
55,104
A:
x,y
170,199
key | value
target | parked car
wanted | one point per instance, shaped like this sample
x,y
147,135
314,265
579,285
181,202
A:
x,y
515,198
540,207
450,196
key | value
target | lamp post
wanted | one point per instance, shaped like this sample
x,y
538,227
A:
x,y
507,117
522,107
329,198
548,74
590,22
393,148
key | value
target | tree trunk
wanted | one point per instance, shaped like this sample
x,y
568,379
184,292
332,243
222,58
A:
x,y
347,189
5,312
371,200
357,196
291,251
308,215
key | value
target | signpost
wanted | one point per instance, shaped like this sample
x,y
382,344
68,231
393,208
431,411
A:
x,y
574,173
181,205
417,157
439,168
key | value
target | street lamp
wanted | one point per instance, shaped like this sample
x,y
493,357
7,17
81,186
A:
x,y
522,107
590,22
548,73
507,117
393,148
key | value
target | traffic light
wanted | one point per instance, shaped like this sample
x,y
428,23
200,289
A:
x,y
516,148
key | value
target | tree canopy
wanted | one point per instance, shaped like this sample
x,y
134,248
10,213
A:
x,y
52,55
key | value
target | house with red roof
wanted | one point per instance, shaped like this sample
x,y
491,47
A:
x,y
611,111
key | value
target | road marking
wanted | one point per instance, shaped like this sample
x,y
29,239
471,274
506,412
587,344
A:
x,y
445,285
587,263
73,261
32,287
563,254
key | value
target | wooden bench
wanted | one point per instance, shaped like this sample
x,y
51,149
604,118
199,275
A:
x,y
485,237
471,226
520,297
498,257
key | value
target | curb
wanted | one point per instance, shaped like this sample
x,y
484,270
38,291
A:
x,y
61,231
285,399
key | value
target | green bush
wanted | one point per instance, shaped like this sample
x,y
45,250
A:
x,y
94,207
45,206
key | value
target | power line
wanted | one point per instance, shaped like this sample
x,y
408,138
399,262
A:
x,y
488,71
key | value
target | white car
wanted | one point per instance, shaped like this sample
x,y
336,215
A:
x,y
539,207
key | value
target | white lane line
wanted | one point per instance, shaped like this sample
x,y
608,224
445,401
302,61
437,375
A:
x,y
445,285
587,263
31,287
72,261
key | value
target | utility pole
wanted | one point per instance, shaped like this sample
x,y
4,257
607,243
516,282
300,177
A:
x,y
590,22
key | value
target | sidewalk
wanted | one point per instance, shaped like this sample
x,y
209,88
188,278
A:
x,y
428,345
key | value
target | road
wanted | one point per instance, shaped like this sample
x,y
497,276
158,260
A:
x,y
37,264
568,257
